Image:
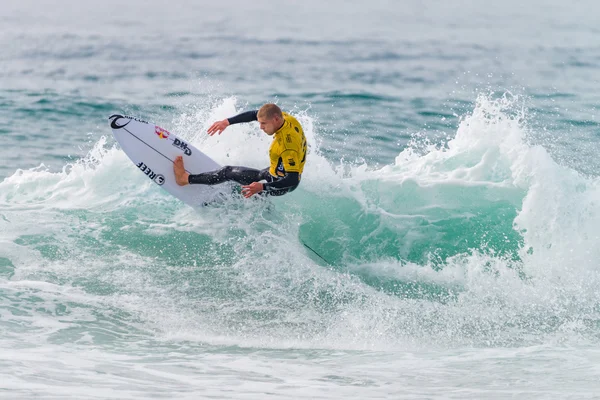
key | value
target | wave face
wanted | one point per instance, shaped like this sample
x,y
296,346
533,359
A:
x,y
483,241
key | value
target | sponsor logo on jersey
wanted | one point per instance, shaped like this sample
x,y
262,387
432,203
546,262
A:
x,y
280,171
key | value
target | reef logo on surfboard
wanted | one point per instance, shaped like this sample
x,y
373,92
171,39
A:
x,y
157,178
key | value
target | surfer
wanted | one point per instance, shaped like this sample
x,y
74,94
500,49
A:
x,y
287,155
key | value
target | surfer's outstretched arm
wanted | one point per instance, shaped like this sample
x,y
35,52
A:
x,y
220,126
247,116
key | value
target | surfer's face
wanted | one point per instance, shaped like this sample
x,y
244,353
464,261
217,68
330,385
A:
x,y
270,126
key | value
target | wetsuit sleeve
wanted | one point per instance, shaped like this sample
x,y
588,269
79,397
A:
x,y
291,179
247,116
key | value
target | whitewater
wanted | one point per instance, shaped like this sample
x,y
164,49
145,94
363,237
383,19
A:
x,y
477,254
441,245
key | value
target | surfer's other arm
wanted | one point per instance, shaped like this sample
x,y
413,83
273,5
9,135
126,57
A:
x,y
273,187
220,126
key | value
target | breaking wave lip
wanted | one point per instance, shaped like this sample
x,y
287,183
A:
x,y
484,240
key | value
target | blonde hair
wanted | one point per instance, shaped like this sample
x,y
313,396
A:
x,y
270,111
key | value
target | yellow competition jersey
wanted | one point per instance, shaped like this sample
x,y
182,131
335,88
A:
x,y
288,150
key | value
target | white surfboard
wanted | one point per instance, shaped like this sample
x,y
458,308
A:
x,y
153,151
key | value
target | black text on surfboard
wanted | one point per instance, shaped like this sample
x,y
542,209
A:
x,y
158,178
183,146
117,125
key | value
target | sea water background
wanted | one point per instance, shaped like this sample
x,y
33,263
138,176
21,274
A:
x,y
451,194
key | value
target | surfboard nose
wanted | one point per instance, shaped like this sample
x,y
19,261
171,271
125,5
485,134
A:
x,y
118,121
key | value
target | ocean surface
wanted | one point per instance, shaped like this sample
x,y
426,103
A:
x,y
443,243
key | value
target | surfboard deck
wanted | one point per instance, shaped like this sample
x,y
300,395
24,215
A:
x,y
153,150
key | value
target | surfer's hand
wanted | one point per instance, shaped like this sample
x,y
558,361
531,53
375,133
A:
x,y
181,177
251,189
218,127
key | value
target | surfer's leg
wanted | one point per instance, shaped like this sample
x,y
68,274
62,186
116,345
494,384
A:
x,y
181,175
241,175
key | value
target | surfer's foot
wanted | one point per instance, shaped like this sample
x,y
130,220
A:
x,y
181,177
